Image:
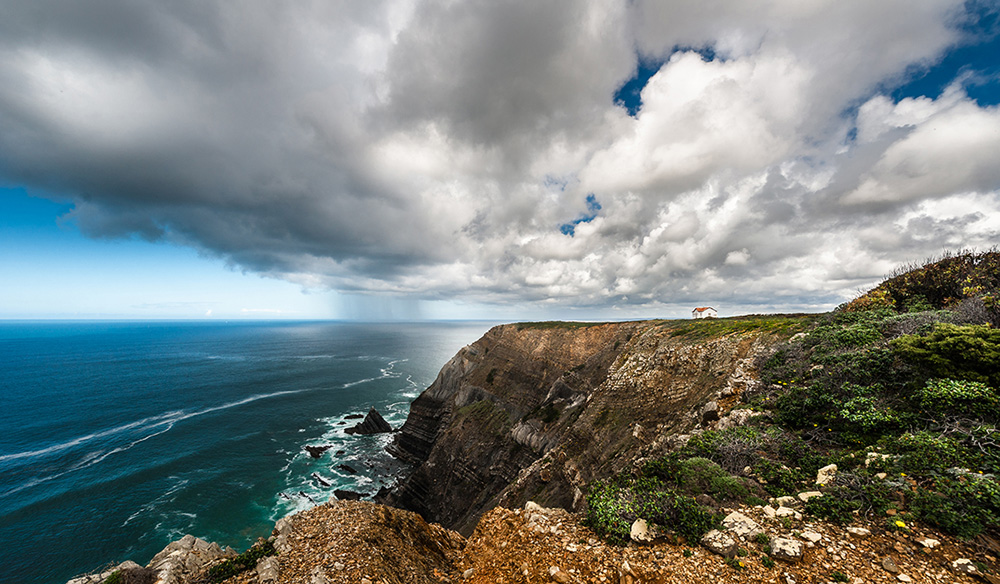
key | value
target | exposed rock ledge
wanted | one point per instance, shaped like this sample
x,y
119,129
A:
x,y
365,543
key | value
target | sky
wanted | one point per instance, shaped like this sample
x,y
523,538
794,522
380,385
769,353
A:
x,y
402,159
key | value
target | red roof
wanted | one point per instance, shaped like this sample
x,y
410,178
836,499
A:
x,y
703,308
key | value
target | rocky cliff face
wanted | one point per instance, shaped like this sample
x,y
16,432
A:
x,y
535,411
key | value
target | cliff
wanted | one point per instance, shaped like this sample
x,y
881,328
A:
x,y
536,411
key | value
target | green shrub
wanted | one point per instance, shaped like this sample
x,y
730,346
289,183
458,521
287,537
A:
x,y
927,453
238,564
951,396
696,475
965,352
612,507
131,576
831,507
868,411
964,506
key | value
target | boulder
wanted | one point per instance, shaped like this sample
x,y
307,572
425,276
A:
x,y
373,423
317,451
641,532
720,542
809,495
345,495
811,536
786,549
741,525
826,474
964,565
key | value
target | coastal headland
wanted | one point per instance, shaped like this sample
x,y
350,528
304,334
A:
x,y
855,446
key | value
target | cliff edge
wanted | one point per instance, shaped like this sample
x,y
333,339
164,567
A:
x,y
535,411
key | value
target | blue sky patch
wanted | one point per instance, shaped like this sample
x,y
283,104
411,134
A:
x,y
592,208
975,60
629,95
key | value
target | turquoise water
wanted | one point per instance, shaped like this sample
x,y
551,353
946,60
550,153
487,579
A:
x,y
117,438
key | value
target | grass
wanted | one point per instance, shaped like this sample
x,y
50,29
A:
x,y
487,415
557,324
782,325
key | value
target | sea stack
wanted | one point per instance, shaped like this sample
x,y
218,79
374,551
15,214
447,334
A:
x,y
373,423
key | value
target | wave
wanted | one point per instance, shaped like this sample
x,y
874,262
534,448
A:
x,y
162,423
151,420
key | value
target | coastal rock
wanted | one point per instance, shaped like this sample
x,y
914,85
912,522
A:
x,y
316,451
181,560
347,468
101,577
347,495
373,423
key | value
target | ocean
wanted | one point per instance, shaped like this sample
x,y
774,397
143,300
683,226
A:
x,y
117,438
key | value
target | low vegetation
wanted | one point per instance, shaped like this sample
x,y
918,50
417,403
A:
x,y
898,388
238,564
784,325
131,576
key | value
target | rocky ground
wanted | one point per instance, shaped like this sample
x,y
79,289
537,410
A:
x,y
362,543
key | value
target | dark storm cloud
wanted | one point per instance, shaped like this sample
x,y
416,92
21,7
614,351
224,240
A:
x,y
435,148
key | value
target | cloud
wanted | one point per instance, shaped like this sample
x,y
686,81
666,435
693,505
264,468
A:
x,y
439,150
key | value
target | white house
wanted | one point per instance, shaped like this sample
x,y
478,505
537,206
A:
x,y
704,312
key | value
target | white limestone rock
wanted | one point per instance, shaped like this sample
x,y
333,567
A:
x,y
786,549
720,542
826,474
641,532
741,525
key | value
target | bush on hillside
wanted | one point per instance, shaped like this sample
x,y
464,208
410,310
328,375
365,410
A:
x,y
612,507
940,284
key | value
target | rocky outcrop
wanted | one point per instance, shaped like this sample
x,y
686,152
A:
x,y
357,542
185,558
536,411
373,423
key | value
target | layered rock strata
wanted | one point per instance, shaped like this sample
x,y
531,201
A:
x,y
536,411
